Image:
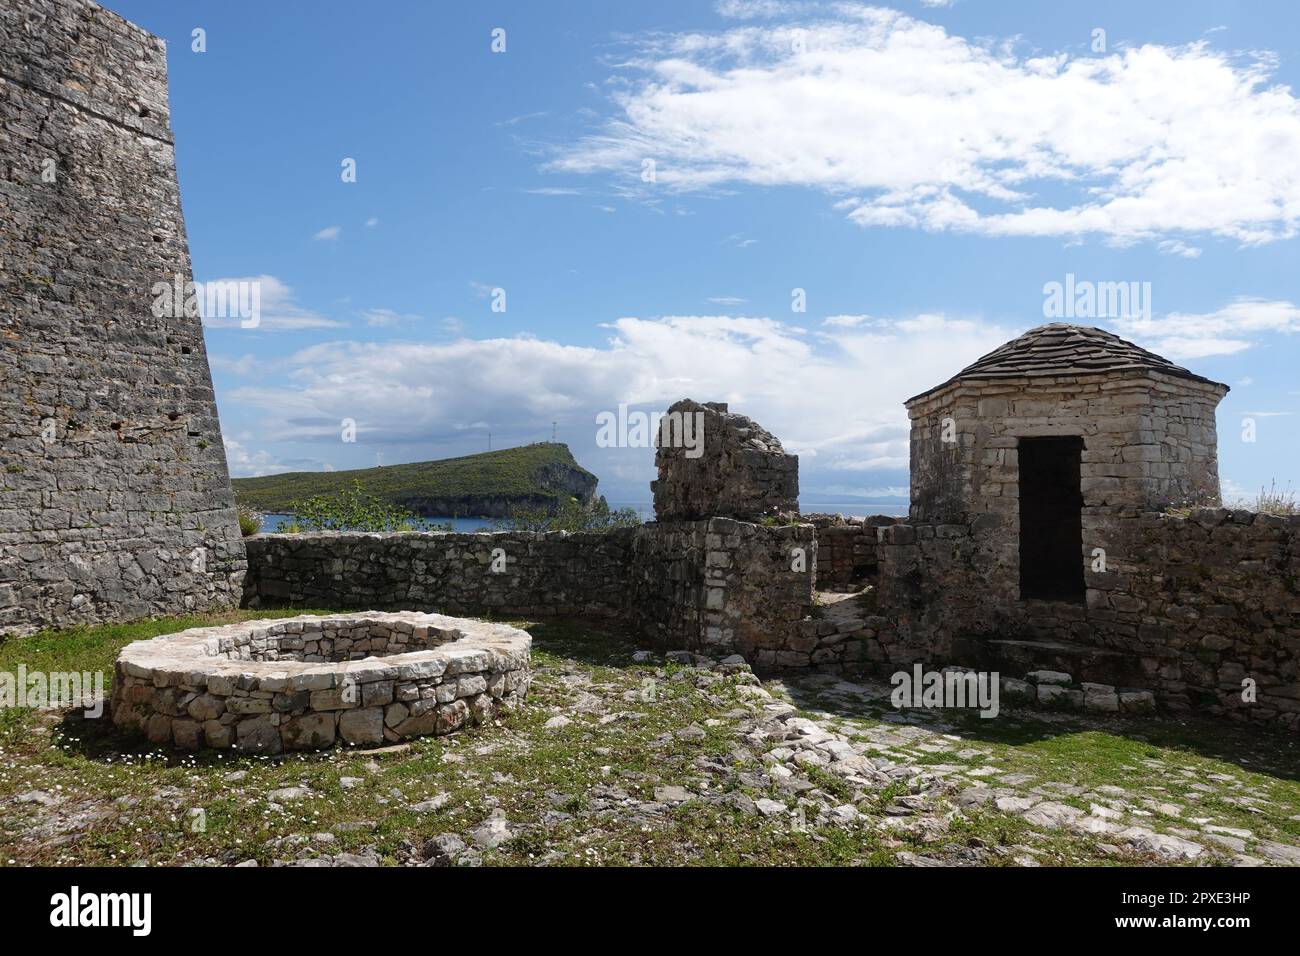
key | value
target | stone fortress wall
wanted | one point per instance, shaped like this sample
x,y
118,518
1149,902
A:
x,y
115,502
1187,606
715,585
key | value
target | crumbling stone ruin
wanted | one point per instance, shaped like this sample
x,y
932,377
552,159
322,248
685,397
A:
x,y
738,470
115,501
1038,544
1053,527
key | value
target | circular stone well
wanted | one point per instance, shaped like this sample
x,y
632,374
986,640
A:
x,y
304,683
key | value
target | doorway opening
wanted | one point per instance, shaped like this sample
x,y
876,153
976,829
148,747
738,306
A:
x,y
1051,520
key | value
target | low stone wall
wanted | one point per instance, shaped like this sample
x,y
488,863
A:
x,y
1190,607
847,549
509,572
717,586
758,591
304,683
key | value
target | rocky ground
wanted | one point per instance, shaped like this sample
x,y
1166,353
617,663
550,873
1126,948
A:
x,y
624,757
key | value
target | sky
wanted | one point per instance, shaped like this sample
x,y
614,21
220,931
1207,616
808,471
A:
x,y
809,211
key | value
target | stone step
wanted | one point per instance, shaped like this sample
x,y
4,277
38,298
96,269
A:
x,y
1015,658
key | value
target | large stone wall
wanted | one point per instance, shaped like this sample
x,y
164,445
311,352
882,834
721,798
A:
x,y
718,586
1187,606
114,497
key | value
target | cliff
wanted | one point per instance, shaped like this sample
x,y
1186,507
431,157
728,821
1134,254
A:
x,y
487,485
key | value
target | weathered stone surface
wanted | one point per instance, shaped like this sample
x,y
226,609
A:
x,y
362,727
308,732
268,685
1050,677
727,466
1137,701
652,578
116,499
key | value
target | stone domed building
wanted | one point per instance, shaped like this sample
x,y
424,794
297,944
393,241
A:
x,y
1048,437
1058,522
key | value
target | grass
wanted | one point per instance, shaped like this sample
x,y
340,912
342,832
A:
x,y
533,474
582,793
130,802
1271,500
1277,501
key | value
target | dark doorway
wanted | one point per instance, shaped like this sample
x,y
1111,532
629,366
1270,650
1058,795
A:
x,y
1051,522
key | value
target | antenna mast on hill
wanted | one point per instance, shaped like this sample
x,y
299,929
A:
x,y
489,441
553,424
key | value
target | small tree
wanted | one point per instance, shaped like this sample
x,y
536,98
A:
x,y
355,509
571,515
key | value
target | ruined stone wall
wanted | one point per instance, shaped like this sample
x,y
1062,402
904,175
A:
x,y
718,586
1187,606
758,588
847,549
739,470
114,497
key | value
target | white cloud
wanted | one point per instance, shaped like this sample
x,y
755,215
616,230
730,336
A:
x,y
1175,247
906,125
846,321
785,378
726,300
387,317
278,310
372,222
243,366
329,233
759,9
1232,328
1234,494
245,463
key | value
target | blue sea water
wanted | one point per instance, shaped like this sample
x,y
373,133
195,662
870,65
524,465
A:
x,y
645,510
274,521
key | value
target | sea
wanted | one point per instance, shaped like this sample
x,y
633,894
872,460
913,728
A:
x,y
645,510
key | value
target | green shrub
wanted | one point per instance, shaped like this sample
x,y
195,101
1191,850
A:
x,y
250,522
354,509
570,516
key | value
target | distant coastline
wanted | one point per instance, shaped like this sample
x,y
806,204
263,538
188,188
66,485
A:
x,y
645,510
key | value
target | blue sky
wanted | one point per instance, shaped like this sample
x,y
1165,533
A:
x,y
920,171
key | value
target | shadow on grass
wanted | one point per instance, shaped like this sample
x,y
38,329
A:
x,y
1264,751
584,642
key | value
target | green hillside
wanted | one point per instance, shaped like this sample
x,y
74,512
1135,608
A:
x,y
490,484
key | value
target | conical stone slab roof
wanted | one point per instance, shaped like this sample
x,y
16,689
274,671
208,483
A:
x,y
1063,349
